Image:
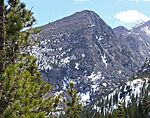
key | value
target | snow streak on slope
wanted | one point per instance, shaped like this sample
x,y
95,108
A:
x,y
134,89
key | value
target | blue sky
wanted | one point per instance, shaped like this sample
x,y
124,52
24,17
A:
x,y
113,12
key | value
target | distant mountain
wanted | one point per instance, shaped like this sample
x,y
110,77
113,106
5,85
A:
x,y
82,48
120,30
130,93
136,41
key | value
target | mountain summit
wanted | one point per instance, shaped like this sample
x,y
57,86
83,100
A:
x,y
78,20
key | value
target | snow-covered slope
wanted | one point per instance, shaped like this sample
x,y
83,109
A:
x,y
131,91
125,94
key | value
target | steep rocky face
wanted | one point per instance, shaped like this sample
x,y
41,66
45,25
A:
x,y
82,48
145,69
136,41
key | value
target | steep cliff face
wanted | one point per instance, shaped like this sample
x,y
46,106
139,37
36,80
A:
x,y
82,48
136,41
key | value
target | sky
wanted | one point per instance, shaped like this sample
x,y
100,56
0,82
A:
x,y
113,12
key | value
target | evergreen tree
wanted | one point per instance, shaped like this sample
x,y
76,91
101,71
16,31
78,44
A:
x,y
146,106
120,111
22,92
1,34
17,19
72,105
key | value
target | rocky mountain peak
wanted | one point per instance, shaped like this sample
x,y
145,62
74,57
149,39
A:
x,y
86,13
120,29
78,21
141,25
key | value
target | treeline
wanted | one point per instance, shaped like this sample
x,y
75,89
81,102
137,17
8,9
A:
x,y
138,107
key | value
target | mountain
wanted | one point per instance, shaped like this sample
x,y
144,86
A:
x,y
120,30
83,49
136,41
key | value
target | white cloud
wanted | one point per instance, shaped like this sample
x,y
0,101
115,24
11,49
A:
x,y
131,16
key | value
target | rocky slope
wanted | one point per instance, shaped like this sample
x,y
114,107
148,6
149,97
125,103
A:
x,y
82,48
131,91
135,41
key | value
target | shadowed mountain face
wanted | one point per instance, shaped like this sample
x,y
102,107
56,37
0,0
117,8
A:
x,y
82,48
136,41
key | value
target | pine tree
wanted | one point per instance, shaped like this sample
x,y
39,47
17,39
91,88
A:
x,y
17,18
146,106
120,111
1,34
72,106
22,92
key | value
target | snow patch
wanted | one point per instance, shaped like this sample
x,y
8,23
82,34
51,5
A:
x,y
104,60
83,55
60,48
96,37
94,76
93,25
146,30
104,84
119,71
95,87
77,66
63,53
85,97
100,38
65,60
